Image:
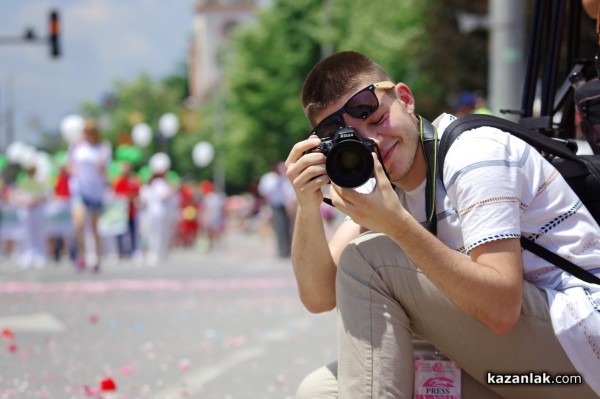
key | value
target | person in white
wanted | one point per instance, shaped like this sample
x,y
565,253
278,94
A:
x,y
158,199
88,162
30,196
276,189
213,212
470,290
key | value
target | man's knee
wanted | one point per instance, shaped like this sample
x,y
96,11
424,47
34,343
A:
x,y
320,384
375,250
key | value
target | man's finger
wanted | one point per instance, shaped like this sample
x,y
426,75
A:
x,y
342,196
380,174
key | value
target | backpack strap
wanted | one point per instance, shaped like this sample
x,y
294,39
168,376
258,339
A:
x,y
537,140
559,261
429,140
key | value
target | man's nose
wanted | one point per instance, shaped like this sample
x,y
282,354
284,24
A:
x,y
369,132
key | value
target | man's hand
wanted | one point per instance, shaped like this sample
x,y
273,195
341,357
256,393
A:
x,y
374,211
307,172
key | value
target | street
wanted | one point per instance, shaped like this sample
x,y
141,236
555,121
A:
x,y
222,324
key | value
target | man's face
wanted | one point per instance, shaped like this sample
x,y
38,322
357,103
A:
x,y
392,127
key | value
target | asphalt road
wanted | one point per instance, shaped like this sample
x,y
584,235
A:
x,y
224,324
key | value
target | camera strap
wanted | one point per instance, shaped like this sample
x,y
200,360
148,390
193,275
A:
x,y
429,140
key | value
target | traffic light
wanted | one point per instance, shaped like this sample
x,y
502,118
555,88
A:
x,y
54,33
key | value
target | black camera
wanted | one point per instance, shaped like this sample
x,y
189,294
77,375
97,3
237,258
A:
x,y
349,161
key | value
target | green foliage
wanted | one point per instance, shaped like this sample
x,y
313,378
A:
x,y
128,153
455,61
143,97
144,100
266,66
270,59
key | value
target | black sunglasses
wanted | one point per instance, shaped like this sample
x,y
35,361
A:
x,y
361,105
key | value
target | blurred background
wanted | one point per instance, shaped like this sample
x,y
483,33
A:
x,y
203,96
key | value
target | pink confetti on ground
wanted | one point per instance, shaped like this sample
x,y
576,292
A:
x,y
184,365
236,341
89,391
18,287
8,334
127,369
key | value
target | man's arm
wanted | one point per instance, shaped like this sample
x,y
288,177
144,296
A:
x,y
487,284
315,262
313,258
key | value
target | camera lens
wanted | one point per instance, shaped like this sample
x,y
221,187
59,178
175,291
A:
x,y
349,164
349,160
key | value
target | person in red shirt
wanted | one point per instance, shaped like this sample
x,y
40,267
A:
x,y
189,225
127,185
64,238
61,188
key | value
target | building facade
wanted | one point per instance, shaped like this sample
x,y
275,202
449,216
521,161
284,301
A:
x,y
213,22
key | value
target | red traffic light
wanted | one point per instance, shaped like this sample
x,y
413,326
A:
x,y
54,34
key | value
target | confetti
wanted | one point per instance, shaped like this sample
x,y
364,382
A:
x,y
127,369
108,385
8,334
184,365
89,391
237,341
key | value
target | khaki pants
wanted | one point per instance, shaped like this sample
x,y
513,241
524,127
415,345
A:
x,y
383,300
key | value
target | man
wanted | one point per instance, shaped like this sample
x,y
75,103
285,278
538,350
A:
x,y
470,290
275,188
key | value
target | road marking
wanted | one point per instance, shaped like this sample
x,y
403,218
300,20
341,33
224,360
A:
x,y
18,287
36,322
193,382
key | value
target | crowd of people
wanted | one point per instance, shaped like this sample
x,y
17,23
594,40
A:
x,y
83,214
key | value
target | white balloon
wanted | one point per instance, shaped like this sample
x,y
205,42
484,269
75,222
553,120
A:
x,y
14,150
168,124
159,163
71,128
20,153
27,156
203,153
141,134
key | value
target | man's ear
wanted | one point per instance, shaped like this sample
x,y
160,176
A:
x,y
405,96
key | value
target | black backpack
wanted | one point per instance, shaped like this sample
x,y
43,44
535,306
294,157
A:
x,y
582,173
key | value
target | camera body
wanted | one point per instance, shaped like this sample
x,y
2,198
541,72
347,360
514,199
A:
x,y
349,161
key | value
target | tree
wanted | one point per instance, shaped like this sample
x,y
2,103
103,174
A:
x,y
267,63
269,60
146,100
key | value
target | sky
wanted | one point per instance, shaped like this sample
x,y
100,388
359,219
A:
x,y
101,41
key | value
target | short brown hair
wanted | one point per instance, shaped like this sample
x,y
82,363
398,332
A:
x,y
90,125
335,76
